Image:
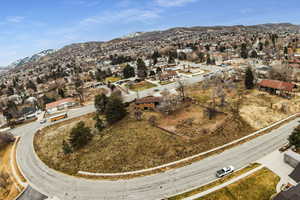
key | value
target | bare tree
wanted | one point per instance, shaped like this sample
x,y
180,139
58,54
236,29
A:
x,y
181,88
138,114
153,120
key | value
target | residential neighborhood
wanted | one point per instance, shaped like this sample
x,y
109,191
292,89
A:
x,y
177,110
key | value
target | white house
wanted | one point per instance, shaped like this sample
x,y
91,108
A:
x,y
60,105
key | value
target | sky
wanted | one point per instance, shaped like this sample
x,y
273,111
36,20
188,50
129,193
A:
x,y
27,27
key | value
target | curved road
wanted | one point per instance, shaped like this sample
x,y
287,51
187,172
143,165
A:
x,y
158,186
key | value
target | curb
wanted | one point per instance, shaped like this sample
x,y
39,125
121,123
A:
x,y
14,151
188,158
221,186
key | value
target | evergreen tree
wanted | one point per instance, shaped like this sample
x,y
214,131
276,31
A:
x,y
61,93
128,71
141,68
158,70
155,56
66,147
100,75
39,80
249,79
115,110
208,60
253,54
100,102
152,73
99,125
80,136
244,51
294,138
30,84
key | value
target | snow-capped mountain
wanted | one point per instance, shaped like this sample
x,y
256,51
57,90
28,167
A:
x,y
35,57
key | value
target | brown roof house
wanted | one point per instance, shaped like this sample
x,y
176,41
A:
x,y
276,87
168,75
148,103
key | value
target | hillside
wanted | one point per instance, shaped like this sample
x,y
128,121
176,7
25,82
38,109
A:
x,y
141,43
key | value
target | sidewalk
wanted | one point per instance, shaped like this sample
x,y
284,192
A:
x,y
275,162
223,185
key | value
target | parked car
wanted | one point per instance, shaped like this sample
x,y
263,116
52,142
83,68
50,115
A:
x,y
43,121
224,171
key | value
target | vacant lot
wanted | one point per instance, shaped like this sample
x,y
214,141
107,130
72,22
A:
x,y
133,145
9,191
141,86
259,186
258,108
127,146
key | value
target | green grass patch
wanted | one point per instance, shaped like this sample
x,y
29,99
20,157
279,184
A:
x,y
260,185
215,183
112,79
166,82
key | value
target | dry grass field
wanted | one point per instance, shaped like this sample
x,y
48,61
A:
x,y
133,145
10,191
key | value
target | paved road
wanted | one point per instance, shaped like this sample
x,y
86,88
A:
x,y
31,194
158,186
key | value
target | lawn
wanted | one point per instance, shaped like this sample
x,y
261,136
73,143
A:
x,y
215,183
112,79
10,191
141,86
261,185
166,82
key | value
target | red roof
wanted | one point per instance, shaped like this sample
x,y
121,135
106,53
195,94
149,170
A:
x,y
59,102
294,65
280,85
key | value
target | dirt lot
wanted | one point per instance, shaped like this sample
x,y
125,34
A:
x,y
10,191
258,108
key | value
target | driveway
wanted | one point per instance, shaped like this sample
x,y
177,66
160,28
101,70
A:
x,y
275,162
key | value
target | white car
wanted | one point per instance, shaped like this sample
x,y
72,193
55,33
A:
x,y
224,171
43,121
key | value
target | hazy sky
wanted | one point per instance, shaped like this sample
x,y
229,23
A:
x,y
26,27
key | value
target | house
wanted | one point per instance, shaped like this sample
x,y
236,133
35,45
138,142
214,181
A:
x,y
276,87
168,75
291,194
147,103
60,105
263,71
